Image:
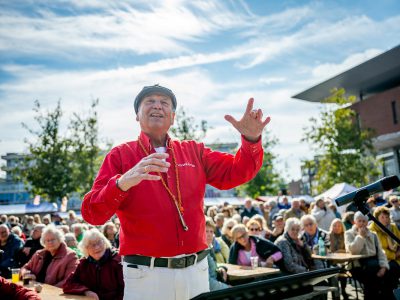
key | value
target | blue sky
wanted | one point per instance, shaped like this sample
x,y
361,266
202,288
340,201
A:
x,y
214,55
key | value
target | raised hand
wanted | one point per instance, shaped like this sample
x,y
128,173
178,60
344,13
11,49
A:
x,y
251,124
155,162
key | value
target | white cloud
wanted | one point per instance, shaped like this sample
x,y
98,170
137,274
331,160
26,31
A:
x,y
328,70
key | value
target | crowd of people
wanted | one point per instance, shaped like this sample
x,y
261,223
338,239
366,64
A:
x,y
83,259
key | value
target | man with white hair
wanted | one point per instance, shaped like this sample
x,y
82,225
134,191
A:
x,y
156,187
371,271
395,210
249,210
295,211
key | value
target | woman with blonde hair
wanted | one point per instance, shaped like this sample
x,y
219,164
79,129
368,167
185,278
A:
x,y
247,246
336,236
227,231
264,231
99,273
110,231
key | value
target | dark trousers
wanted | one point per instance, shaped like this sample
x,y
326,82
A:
x,y
374,287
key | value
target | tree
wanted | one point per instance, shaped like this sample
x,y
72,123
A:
x,y
267,180
57,164
85,149
185,127
345,150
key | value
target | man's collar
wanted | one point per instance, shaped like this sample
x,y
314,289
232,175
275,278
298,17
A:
x,y
147,143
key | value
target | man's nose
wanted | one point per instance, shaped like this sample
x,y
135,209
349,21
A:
x,y
157,104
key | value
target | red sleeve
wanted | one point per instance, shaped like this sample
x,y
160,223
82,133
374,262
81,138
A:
x,y
225,171
10,290
101,203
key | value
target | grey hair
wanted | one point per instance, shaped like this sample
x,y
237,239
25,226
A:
x,y
290,223
295,200
92,235
231,221
360,215
308,217
53,230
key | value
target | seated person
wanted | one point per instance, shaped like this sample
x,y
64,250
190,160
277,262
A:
x,y
10,244
217,275
310,236
337,245
72,243
99,273
371,271
247,246
389,246
219,248
278,227
31,245
263,232
54,263
336,236
110,231
296,255
227,231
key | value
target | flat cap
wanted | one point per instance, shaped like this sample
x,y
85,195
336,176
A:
x,y
154,89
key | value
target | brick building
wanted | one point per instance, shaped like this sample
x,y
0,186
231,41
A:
x,y
376,84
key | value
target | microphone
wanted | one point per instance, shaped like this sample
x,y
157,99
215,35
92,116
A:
x,y
384,184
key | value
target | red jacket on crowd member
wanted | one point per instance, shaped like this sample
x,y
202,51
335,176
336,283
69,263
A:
x,y
150,224
14,291
104,277
61,266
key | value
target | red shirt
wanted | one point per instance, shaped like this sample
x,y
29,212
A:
x,y
150,223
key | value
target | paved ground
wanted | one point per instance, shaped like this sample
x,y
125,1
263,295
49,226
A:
x,y
351,292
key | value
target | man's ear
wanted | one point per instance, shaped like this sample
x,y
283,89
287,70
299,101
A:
x,y
172,118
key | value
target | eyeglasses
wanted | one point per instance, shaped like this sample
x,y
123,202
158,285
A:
x,y
95,244
254,229
308,224
241,237
49,241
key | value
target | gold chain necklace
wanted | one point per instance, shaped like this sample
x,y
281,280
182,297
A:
x,y
177,202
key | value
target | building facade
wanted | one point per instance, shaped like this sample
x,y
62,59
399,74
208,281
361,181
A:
x,y
11,191
376,85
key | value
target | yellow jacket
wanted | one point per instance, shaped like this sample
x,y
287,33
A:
x,y
388,245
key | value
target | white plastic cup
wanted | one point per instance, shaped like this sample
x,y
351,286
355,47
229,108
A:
x,y
254,262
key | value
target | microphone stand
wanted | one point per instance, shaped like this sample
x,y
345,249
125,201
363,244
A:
x,y
360,200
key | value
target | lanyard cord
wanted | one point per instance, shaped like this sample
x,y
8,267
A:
x,y
177,202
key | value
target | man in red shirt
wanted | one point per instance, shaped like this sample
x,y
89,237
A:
x,y
156,186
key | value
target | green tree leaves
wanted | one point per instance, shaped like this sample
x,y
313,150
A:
x,y
345,151
267,180
58,164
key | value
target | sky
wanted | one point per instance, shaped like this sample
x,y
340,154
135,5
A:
x,y
213,54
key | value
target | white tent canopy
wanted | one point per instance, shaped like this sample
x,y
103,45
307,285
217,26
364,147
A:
x,y
339,189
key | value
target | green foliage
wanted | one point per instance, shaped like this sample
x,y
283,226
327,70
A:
x,y
57,165
267,180
185,127
345,151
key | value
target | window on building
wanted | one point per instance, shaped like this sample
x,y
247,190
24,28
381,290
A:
x,y
394,112
389,166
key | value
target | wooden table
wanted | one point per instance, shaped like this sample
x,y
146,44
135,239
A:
x,y
236,272
50,292
339,257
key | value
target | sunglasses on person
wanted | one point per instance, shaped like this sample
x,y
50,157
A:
x,y
254,229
